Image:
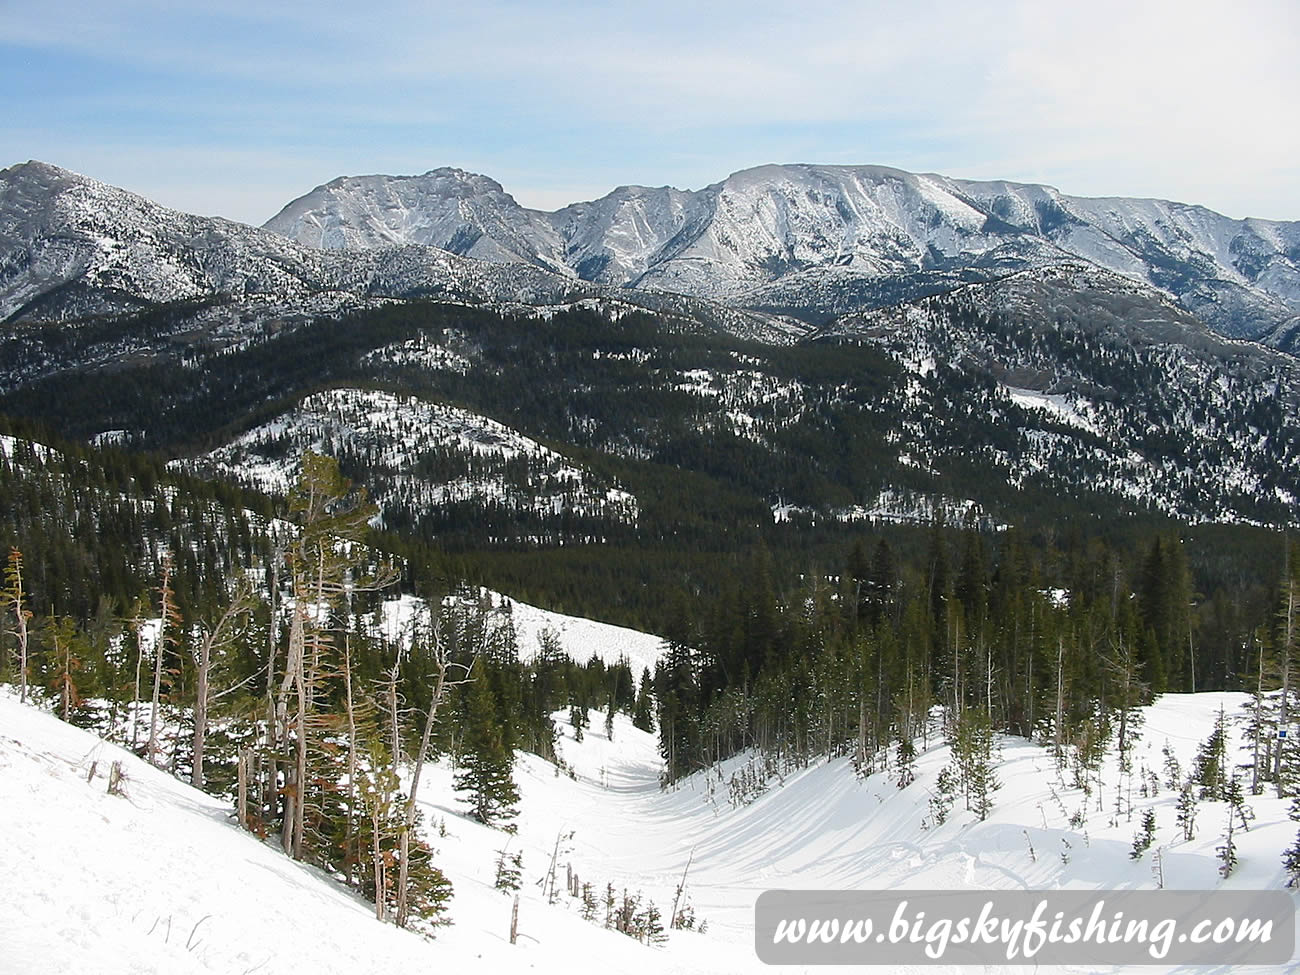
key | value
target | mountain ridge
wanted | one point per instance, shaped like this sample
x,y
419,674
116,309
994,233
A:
x,y
72,246
755,228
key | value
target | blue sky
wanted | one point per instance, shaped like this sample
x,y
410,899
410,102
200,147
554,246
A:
x,y
237,108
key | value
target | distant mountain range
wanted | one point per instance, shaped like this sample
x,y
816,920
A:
x,y
818,240
758,253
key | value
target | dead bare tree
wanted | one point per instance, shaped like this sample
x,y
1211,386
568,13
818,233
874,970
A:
x,y
15,599
226,631
136,623
443,679
170,624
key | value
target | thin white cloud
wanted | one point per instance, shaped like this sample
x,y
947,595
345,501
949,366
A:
x,y
1187,100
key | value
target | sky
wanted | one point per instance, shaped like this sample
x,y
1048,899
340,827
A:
x,y
234,109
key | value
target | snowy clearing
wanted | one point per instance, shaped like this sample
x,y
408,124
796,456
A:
x,y
161,881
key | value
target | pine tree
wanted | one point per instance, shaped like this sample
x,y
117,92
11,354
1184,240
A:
x,y
1187,812
972,749
589,904
427,891
1143,840
905,763
509,870
1130,691
377,787
1227,852
68,646
677,692
324,562
948,785
649,925
643,711
485,770
1173,770
1291,856
422,886
1291,862
609,901
1209,768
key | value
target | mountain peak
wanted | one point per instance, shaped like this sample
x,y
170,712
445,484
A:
x,y
768,227
36,167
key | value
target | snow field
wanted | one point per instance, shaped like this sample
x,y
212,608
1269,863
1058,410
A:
x,y
162,881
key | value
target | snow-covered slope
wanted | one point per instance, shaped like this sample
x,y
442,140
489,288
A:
x,y
1105,375
578,638
161,881
61,232
735,239
422,455
448,208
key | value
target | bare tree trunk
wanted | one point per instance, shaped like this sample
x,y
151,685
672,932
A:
x,y
1288,641
135,698
988,683
273,730
1259,723
167,612
300,772
1060,699
201,710
316,592
287,831
862,732
378,860
13,596
395,730
350,831
22,651
295,773
151,749
221,635
681,887
241,801
440,685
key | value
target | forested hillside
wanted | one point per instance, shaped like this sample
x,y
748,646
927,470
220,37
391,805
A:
x,y
265,651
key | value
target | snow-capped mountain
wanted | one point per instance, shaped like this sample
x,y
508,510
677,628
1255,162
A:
x,y
446,208
74,244
71,246
744,238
